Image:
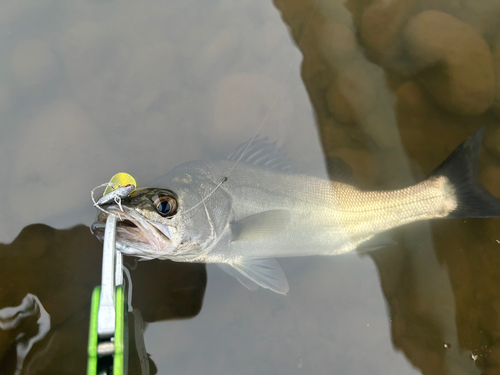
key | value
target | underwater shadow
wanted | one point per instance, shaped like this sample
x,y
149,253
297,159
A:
x,y
53,272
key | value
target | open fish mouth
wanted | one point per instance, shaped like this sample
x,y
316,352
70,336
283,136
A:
x,y
134,234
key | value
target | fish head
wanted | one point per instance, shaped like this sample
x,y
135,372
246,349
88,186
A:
x,y
175,223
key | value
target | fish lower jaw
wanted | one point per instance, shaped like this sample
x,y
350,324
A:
x,y
134,235
129,236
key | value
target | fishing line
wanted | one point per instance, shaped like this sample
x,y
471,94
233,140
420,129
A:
x,y
204,199
118,201
129,288
265,118
92,195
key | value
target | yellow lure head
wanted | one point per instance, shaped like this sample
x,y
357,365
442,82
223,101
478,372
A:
x,y
119,180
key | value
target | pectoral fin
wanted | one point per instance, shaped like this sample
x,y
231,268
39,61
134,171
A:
x,y
266,273
260,226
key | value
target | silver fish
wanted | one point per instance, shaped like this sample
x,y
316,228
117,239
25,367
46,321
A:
x,y
263,210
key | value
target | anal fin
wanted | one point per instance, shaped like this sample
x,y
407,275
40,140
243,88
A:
x,y
245,281
376,242
266,273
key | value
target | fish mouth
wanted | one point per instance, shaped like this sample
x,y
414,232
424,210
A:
x,y
134,234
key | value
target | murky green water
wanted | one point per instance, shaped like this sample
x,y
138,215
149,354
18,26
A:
x,y
89,88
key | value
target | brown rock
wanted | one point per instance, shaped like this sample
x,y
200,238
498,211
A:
x,y
496,66
380,28
334,136
490,179
336,41
414,108
379,125
410,98
357,9
363,164
316,72
492,140
455,63
352,96
481,15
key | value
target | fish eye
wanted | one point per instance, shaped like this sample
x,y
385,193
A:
x,y
165,205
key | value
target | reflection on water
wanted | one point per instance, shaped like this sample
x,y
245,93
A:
x,y
59,269
92,88
15,318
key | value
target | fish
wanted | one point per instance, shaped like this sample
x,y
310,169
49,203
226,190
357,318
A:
x,y
249,208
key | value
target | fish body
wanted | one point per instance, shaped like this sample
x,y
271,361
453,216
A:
x,y
301,215
243,211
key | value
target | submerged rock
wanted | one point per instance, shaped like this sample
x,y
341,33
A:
x,y
364,166
455,63
496,66
352,96
336,41
380,28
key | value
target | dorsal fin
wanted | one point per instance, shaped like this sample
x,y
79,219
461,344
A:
x,y
261,153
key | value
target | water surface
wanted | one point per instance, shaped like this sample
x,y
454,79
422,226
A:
x,y
92,88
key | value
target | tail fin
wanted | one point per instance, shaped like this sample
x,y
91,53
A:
x,y
461,169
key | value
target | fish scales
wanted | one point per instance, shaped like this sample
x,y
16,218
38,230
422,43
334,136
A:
x,y
346,215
